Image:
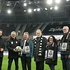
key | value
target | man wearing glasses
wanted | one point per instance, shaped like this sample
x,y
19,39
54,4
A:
x,y
65,48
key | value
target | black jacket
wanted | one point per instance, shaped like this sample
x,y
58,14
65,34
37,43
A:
x,y
66,38
39,48
55,49
2,45
12,44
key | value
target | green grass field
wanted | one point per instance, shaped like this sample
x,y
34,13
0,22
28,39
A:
x,y
5,64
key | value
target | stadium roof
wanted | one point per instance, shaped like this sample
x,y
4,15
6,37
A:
x,y
34,11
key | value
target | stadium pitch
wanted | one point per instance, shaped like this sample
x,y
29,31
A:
x,y
46,67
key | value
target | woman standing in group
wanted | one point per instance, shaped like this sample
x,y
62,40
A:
x,y
51,52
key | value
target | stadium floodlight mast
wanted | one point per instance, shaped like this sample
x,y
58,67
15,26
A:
x,y
9,11
57,1
29,10
49,2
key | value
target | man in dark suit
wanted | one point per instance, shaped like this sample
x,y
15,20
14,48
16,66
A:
x,y
12,43
2,46
39,50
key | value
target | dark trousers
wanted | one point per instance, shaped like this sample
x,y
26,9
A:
x,y
1,59
65,62
10,60
52,67
26,61
40,65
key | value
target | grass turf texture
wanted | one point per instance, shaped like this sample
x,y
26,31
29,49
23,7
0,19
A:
x,y
5,64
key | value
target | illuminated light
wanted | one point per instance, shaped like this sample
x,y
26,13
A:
x,y
8,3
51,8
38,9
67,0
29,10
46,9
57,1
25,4
34,9
38,2
56,7
49,1
24,10
29,2
9,11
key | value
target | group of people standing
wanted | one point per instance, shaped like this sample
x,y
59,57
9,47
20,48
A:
x,y
41,48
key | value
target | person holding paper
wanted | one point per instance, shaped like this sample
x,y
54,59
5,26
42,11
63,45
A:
x,y
65,48
27,51
51,52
